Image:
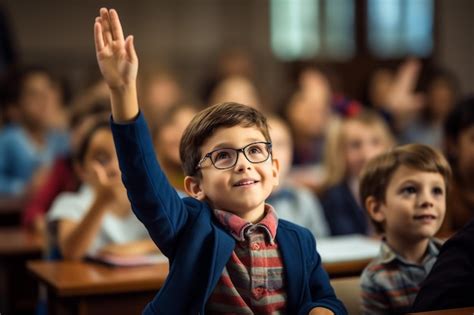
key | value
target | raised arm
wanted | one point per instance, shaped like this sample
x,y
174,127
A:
x,y
154,201
118,63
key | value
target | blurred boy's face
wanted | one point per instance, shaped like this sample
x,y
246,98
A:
x,y
465,153
243,188
309,113
361,143
236,89
415,204
170,136
281,145
159,95
38,100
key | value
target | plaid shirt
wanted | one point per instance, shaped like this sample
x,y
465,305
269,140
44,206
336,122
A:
x,y
390,283
253,279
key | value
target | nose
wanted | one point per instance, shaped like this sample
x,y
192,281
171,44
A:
x,y
425,199
112,167
242,162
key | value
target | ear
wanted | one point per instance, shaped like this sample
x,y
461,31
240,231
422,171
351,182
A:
x,y
276,171
192,186
374,208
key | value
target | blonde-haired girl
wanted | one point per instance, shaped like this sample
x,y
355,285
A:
x,y
350,143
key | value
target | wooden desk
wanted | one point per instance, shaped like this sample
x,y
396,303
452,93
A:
x,y
455,311
346,268
18,289
89,288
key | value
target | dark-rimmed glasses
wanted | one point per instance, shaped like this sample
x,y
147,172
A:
x,y
225,158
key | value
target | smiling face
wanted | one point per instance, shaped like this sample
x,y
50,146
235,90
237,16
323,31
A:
x,y
414,206
241,189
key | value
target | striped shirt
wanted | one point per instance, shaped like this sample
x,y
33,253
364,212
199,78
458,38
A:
x,y
390,283
253,279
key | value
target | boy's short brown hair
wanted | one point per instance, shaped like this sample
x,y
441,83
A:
x,y
206,122
378,172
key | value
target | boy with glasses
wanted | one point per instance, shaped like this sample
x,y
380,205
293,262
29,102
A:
x,y
228,251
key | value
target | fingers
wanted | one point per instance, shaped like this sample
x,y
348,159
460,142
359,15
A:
x,y
116,27
100,174
408,74
131,49
106,30
98,38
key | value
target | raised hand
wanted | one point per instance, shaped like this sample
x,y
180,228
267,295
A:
x,y
118,63
116,56
402,100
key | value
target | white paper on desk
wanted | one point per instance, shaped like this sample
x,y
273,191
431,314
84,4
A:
x,y
347,248
130,261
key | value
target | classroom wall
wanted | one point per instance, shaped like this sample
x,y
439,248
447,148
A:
x,y
186,35
456,42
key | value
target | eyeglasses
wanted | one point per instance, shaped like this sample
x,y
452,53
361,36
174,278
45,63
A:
x,y
225,158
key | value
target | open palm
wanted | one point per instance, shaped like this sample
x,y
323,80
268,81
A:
x,y
116,56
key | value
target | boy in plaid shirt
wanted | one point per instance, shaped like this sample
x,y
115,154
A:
x,y
228,252
404,192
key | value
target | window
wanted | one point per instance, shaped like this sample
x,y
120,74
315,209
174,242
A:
x,y
400,27
304,29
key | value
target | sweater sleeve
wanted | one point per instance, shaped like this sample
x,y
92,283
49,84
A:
x,y
154,201
322,293
9,183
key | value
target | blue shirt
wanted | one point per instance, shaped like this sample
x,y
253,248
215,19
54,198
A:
x,y
20,157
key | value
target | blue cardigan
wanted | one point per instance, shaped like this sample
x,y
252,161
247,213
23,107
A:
x,y
197,246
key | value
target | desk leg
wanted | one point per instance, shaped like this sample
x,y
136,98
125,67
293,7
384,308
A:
x,y
18,289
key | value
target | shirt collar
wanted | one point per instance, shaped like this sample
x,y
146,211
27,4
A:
x,y
388,255
239,227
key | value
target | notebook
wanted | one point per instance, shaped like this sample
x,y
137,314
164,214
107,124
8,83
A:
x,y
129,261
347,248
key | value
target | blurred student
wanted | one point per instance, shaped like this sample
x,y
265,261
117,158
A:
x,y
296,204
378,88
308,113
440,97
166,141
351,143
450,283
62,176
98,218
459,146
231,62
28,147
404,192
159,91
